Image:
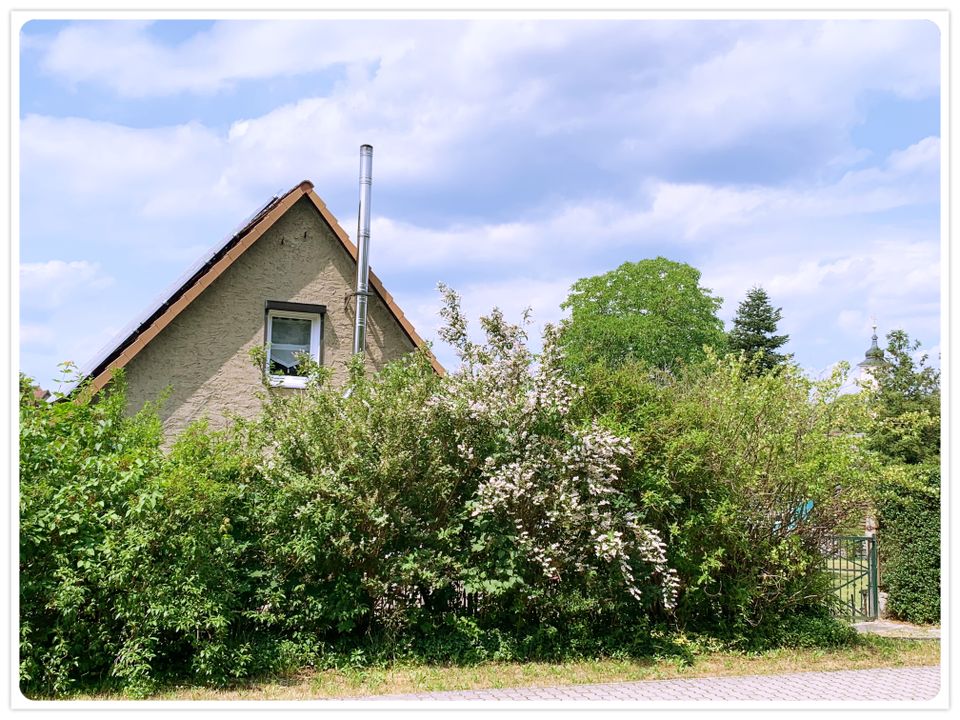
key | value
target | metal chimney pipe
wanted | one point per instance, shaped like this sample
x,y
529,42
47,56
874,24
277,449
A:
x,y
363,248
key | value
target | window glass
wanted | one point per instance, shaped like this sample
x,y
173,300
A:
x,y
288,337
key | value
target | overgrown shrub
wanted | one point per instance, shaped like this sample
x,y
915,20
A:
x,y
357,511
132,563
745,476
87,474
188,567
497,513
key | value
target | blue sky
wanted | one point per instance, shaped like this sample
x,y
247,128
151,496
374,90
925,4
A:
x,y
511,158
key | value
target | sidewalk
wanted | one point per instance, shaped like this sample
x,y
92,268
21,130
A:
x,y
896,629
915,683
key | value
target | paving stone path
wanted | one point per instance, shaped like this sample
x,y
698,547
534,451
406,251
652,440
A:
x,y
895,629
914,683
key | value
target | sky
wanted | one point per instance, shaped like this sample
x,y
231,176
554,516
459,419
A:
x,y
511,158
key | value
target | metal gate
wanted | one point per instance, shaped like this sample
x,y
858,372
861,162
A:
x,y
852,563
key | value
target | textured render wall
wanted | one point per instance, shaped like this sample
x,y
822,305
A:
x,y
203,355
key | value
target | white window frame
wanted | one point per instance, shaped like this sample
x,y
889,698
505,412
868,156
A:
x,y
316,335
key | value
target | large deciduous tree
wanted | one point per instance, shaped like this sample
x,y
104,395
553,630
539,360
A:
x,y
754,331
653,310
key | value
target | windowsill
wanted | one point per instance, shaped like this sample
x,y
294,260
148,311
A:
x,y
288,381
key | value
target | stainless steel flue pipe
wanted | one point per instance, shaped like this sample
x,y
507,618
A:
x,y
363,248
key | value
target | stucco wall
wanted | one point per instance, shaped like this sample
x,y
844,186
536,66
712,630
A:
x,y
203,354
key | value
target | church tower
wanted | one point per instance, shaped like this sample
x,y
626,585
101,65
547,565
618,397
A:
x,y
873,357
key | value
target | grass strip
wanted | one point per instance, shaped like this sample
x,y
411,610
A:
x,y
868,652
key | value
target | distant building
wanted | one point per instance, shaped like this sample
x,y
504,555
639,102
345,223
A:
x,y
873,358
874,355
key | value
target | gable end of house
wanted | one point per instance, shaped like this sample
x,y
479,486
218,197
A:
x,y
133,340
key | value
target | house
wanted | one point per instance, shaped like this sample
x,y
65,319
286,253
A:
x,y
287,281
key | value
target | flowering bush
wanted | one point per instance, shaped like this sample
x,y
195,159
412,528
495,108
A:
x,y
550,483
410,497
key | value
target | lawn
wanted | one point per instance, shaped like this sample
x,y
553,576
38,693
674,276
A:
x,y
867,652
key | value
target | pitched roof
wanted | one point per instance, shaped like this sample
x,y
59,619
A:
x,y
125,346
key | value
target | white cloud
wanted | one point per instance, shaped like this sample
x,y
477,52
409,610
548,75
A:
x,y
814,276
64,315
438,98
126,58
406,245
697,213
153,168
693,208
51,284
907,177
429,95
852,321
796,74
721,83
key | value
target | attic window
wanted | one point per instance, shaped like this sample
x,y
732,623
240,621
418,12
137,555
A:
x,y
292,329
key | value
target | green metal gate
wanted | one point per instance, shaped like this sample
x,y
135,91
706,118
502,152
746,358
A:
x,y
852,562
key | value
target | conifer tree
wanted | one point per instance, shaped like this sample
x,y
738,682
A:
x,y
754,331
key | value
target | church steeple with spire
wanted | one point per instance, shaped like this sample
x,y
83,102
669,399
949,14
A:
x,y
873,357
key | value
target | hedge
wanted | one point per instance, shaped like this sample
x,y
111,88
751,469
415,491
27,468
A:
x,y
909,535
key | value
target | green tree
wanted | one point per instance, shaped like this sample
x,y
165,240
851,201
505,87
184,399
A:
x,y
754,331
905,398
654,311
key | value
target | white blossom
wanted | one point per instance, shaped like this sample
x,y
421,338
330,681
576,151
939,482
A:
x,y
557,484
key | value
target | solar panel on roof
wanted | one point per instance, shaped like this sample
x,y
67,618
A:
x,y
164,298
